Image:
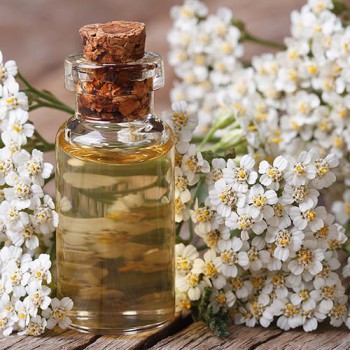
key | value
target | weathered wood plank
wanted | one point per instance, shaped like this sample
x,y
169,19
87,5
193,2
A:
x,y
325,338
72,340
63,340
197,337
139,341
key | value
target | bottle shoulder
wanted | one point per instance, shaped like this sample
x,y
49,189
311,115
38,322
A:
x,y
116,143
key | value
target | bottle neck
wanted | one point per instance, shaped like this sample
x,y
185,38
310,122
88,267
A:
x,y
120,92
114,93
100,106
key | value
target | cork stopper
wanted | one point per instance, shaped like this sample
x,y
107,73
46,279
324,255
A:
x,y
113,42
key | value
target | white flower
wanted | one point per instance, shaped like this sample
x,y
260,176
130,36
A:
x,y
341,209
307,259
36,326
302,170
240,287
58,313
23,194
222,299
7,69
18,128
181,119
182,211
204,218
181,186
261,201
12,98
14,219
25,235
302,296
230,257
312,218
318,6
272,175
212,237
45,219
38,297
190,283
287,241
218,164
244,221
251,314
193,163
22,314
338,314
326,293
33,166
325,177
184,257
274,287
6,324
6,164
16,278
290,315
224,198
242,175
257,255
208,268
304,196
40,269
183,303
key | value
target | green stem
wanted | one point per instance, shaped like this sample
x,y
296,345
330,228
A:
x,y
207,138
53,106
39,94
198,139
202,247
264,42
346,249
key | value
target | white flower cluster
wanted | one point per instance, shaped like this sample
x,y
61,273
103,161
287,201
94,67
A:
x,y
286,102
271,249
300,98
27,221
204,52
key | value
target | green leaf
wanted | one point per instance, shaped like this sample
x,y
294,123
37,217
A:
x,y
202,311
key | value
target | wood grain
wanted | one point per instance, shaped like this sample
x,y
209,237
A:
x,y
52,340
197,337
72,340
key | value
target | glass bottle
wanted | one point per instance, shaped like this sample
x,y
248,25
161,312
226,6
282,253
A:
x,y
115,195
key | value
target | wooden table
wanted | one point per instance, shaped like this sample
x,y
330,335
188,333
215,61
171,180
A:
x,y
184,335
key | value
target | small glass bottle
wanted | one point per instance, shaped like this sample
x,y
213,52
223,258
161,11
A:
x,y
114,187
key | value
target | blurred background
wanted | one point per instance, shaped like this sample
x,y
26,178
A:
x,y
39,34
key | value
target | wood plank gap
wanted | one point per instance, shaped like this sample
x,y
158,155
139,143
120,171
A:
x,y
178,325
272,337
19,340
91,341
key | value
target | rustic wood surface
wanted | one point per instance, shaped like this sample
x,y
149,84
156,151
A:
x,y
38,34
192,337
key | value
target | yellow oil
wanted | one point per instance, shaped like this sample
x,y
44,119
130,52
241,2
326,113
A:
x,y
115,240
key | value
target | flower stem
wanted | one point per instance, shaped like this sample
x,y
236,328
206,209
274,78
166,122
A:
x,y
264,42
202,247
207,138
43,98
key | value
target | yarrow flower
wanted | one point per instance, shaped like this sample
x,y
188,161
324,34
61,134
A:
x,y
271,251
26,214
